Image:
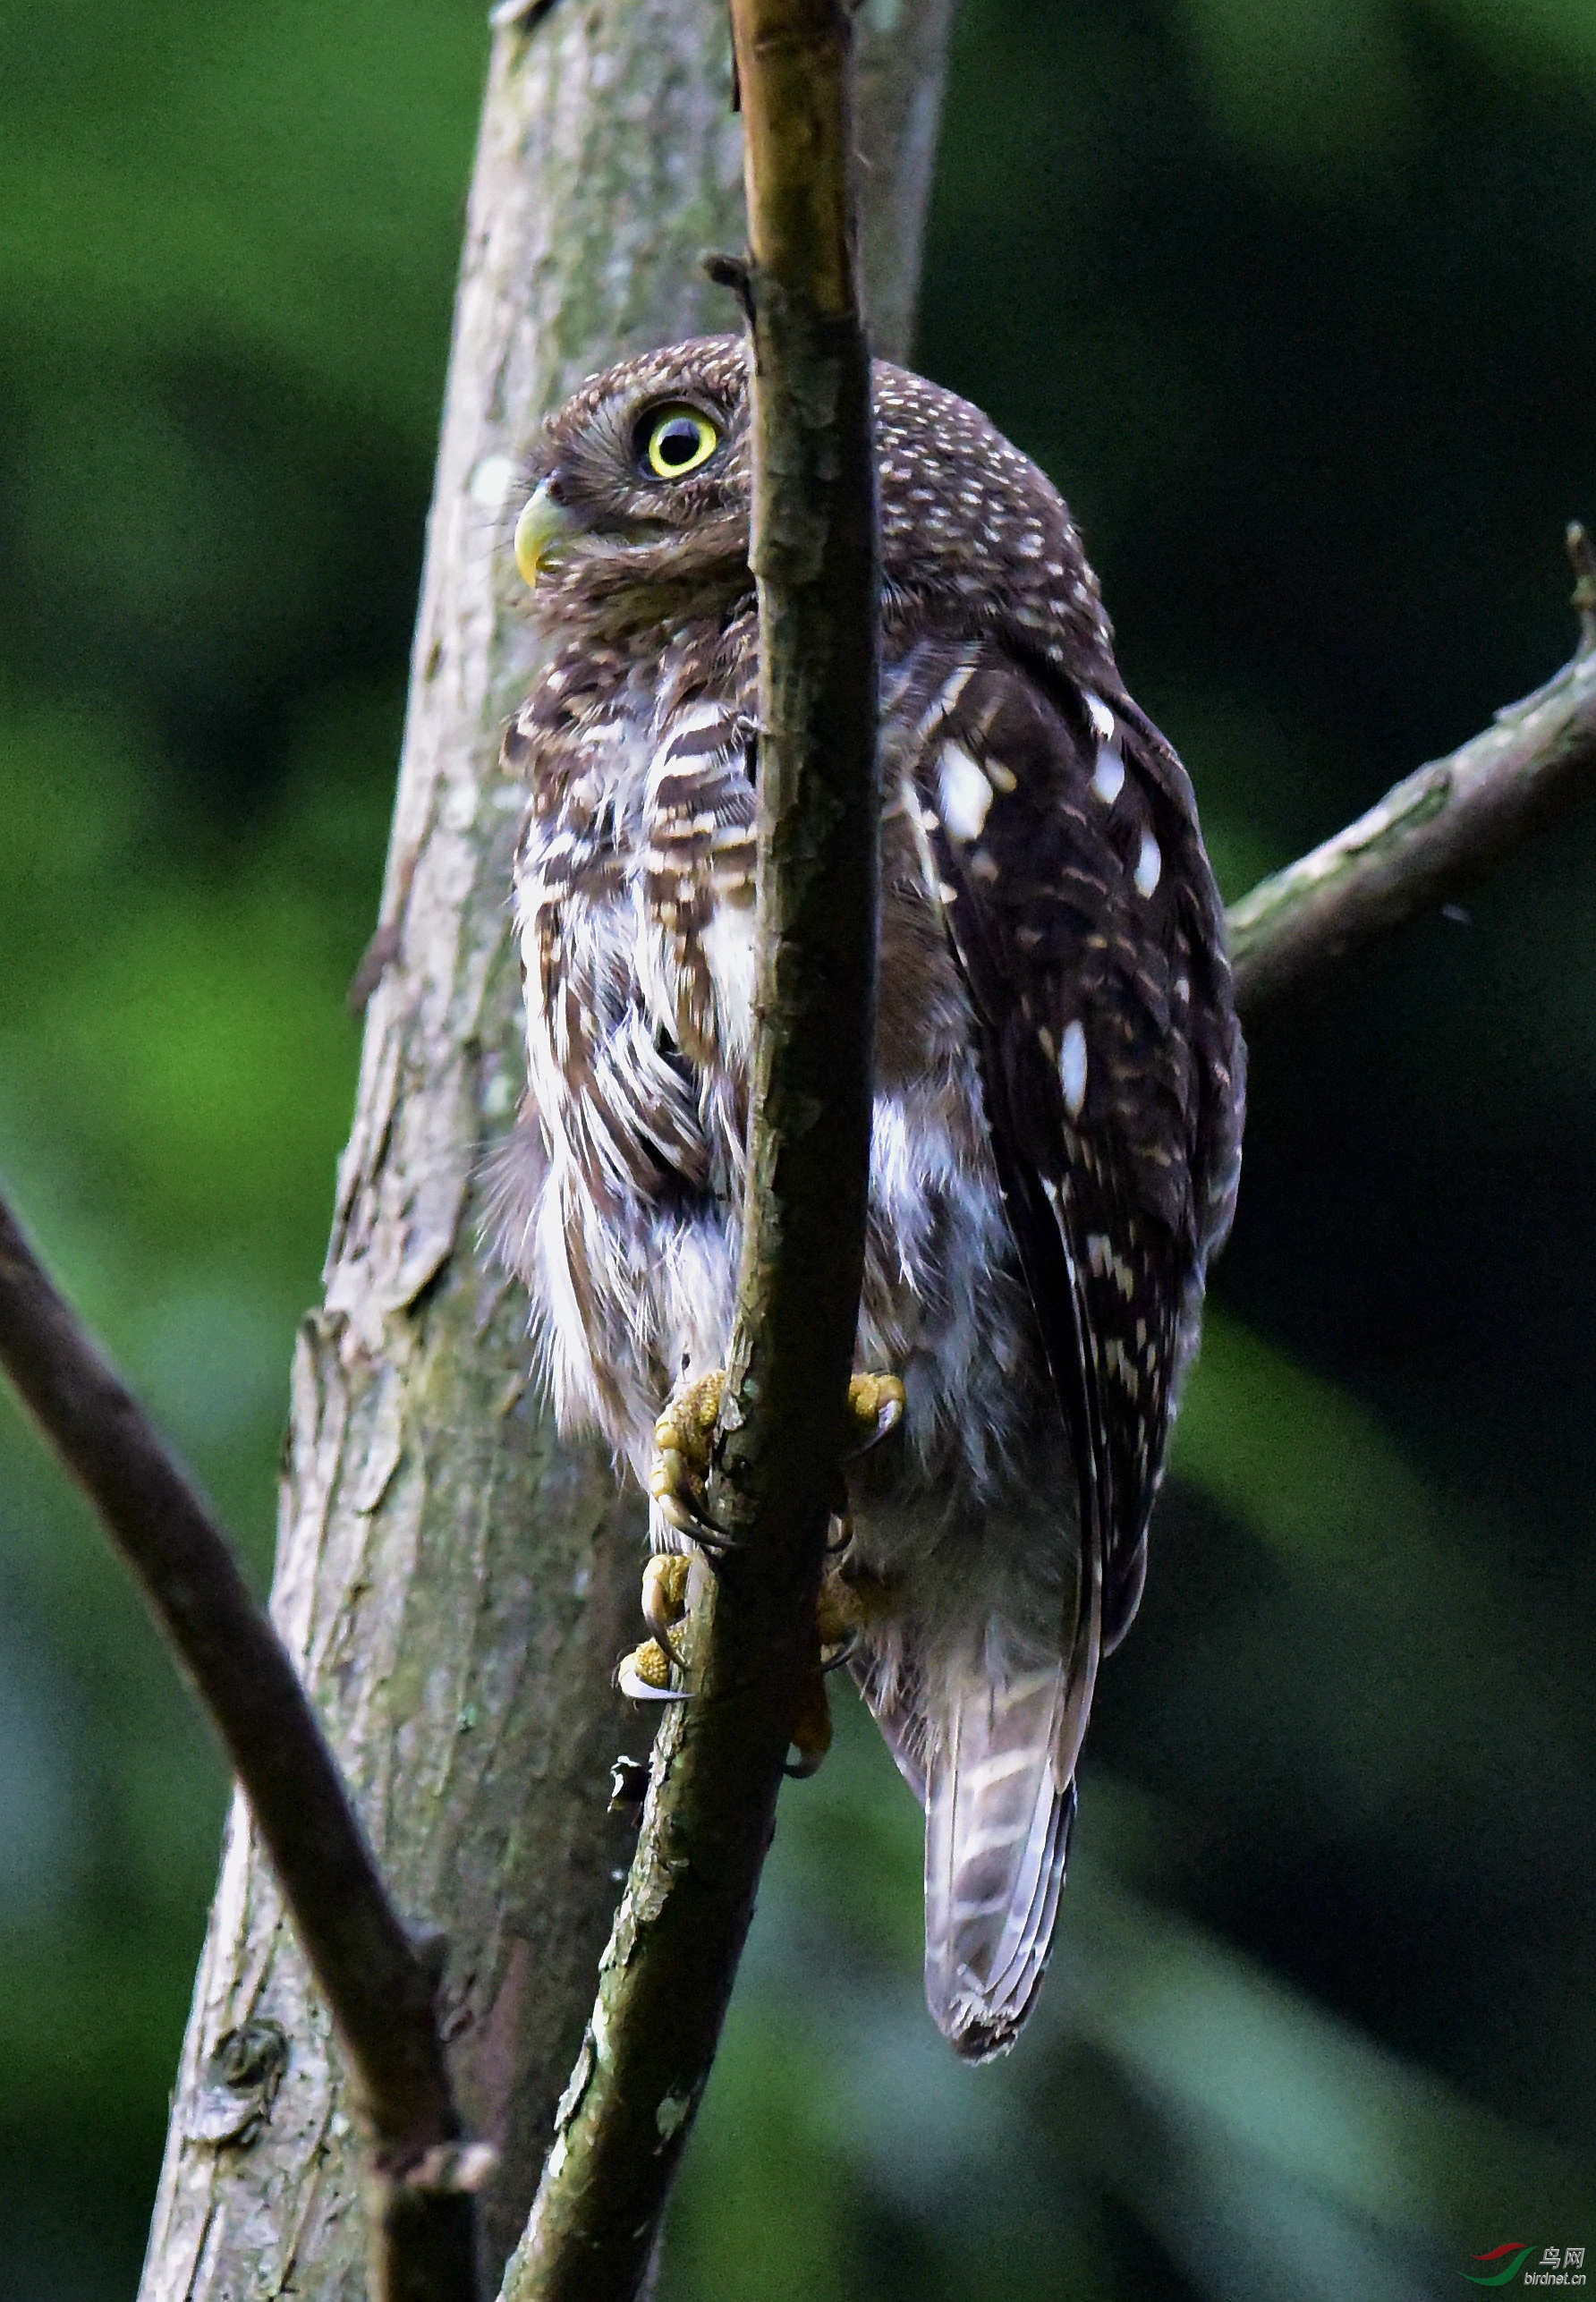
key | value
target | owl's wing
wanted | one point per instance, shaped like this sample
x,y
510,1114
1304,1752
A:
x,y
1084,916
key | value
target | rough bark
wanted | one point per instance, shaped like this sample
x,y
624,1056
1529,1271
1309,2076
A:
x,y
455,1583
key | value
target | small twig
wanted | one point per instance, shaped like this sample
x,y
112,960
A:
x,y
378,1982
668,1972
1435,834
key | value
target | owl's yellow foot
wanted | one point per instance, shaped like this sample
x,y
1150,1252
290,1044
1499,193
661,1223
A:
x,y
645,1674
844,1608
840,1614
679,1475
812,1726
837,1625
678,1493
664,1595
875,1406
685,1439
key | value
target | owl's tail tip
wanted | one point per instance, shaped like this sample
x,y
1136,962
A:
x,y
982,2040
997,1837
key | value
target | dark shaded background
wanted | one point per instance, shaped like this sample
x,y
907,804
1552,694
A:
x,y
1297,299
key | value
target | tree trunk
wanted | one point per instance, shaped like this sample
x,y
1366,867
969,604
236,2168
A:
x,y
456,1582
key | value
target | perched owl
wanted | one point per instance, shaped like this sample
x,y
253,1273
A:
x,y
1058,1074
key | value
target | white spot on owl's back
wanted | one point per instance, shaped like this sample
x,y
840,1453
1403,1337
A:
x,y
942,704
1101,717
1149,864
964,793
1109,777
1071,1068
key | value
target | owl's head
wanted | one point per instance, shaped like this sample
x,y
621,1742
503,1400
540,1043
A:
x,y
639,493
641,480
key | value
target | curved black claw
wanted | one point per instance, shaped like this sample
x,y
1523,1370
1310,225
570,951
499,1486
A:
x,y
686,1522
665,1597
842,1652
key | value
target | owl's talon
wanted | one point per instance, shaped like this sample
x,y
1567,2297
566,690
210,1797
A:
x,y
811,1729
665,1597
876,1405
678,1480
644,1676
679,1473
686,1521
839,1613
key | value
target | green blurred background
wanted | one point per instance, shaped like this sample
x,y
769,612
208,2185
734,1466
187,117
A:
x,y
1297,301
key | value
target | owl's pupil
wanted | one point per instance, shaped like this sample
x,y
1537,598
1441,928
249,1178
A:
x,y
677,444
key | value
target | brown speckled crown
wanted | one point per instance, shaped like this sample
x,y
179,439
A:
x,y
970,527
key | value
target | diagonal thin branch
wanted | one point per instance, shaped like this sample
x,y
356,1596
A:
x,y
1435,834
668,1972
379,1982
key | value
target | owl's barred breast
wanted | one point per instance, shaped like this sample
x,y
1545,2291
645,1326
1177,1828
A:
x,y
635,916
1058,1072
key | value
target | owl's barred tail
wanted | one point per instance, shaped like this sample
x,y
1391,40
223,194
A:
x,y
997,1838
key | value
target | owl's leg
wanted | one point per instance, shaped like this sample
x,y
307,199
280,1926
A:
x,y
678,1493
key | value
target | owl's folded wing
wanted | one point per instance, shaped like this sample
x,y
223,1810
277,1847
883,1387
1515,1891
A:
x,y
1086,923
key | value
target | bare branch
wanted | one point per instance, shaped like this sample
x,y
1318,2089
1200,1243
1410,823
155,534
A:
x,y
379,1982
668,1972
1438,831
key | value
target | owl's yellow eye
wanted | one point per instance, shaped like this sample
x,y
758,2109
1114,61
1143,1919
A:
x,y
675,441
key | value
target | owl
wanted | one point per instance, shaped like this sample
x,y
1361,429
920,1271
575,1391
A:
x,y
1058,1079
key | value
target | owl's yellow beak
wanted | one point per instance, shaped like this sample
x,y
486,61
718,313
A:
x,y
543,525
